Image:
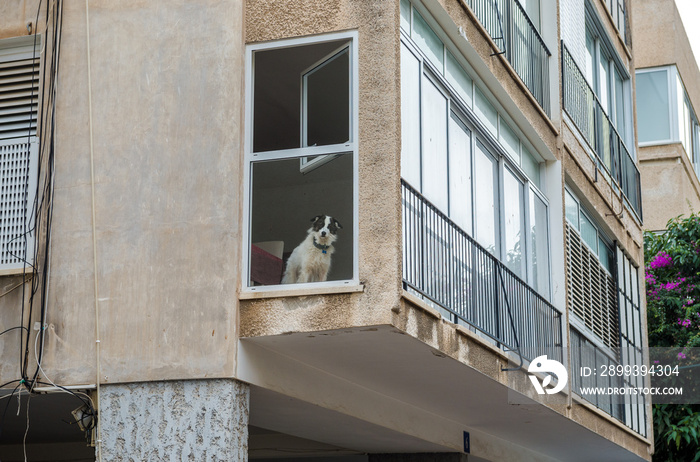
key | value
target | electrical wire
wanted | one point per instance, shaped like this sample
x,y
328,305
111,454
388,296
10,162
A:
x,y
12,328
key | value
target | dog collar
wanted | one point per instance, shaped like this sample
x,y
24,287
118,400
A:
x,y
323,248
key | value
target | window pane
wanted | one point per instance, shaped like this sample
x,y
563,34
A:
x,y
589,233
532,7
572,210
460,175
281,193
603,82
434,145
539,249
427,41
605,255
653,116
590,58
620,121
485,111
410,117
513,224
531,166
459,79
406,16
510,141
327,101
485,198
277,97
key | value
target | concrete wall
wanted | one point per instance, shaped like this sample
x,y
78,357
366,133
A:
x,y
671,187
181,420
167,114
661,39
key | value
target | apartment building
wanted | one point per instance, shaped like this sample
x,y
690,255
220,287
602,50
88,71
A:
x,y
668,91
163,159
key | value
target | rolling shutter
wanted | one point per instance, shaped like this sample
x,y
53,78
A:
x,y
592,296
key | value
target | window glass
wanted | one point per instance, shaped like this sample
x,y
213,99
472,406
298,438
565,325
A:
x,y
485,111
459,79
530,165
605,255
277,98
281,193
572,210
653,116
532,8
513,223
620,120
410,117
589,233
603,82
590,58
539,246
406,16
326,105
434,160
460,175
427,41
485,198
509,140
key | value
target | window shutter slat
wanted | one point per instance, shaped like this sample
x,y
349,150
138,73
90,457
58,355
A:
x,y
19,95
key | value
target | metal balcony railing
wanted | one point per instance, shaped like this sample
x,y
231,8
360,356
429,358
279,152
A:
x,y
447,267
629,409
511,28
587,113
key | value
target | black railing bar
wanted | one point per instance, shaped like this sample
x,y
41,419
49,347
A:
x,y
463,233
500,341
595,97
532,27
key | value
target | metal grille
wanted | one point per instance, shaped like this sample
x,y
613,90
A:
x,y
18,172
511,28
444,265
19,95
586,112
592,295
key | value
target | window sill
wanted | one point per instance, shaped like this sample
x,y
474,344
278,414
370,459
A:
x,y
251,294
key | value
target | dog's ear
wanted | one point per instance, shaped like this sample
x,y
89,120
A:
x,y
316,218
337,223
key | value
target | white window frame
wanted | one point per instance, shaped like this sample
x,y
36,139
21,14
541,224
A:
x,y
672,98
348,148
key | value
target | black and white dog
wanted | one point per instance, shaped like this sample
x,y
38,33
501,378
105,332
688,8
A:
x,y
311,260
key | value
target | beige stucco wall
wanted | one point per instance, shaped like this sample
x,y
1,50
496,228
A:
x,y
671,187
661,39
166,117
377,23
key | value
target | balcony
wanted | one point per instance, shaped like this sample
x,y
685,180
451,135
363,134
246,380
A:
x,y
445,266
510,27
587,113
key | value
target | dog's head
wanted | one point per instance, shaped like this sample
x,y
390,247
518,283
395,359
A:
x,y
324,229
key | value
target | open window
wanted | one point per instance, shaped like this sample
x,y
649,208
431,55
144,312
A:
x,y
301,157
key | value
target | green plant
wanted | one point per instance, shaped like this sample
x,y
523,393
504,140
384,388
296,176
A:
x,y
672,275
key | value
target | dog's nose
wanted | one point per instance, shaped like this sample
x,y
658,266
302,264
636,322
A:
x,y
323,233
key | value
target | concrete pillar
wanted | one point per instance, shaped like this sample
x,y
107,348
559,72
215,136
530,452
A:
x,y
179,420
422,457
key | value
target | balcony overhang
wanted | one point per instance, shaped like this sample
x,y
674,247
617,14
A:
x,y
378,389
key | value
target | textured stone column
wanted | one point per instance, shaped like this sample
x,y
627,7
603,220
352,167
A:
x,y
199,420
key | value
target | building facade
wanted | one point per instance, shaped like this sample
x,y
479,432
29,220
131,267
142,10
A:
x,y
163,159
668,92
